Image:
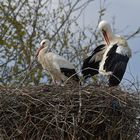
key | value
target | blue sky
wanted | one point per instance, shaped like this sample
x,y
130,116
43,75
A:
x,y
127,20
126,13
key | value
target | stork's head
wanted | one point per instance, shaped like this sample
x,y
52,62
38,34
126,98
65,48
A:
x,y
42,45
106,31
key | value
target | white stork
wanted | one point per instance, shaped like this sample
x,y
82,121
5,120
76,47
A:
x,y
116,56
59,68
91,64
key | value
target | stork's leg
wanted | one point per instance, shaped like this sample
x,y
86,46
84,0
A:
x,y
57,78
54,82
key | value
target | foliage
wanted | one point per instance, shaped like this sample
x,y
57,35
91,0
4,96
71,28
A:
x,y
23,24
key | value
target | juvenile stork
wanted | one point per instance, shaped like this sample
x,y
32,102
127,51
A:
x,y
59,68
116,56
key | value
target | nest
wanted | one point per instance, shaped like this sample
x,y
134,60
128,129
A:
x,y
68,113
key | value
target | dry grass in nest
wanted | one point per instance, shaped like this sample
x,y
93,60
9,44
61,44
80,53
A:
x,y
68,113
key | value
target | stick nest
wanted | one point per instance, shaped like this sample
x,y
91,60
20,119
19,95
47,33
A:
x,y
68,113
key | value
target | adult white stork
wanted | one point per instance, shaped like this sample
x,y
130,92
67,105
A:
x,y
90,65
116,56
59,68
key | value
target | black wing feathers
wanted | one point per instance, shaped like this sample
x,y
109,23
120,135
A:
x,y
118,73
90,68
70,73
98,49
116,63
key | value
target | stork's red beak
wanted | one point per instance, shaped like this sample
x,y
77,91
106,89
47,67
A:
x,y
39,49
106,37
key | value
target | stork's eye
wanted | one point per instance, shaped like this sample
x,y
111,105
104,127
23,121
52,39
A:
x,y
43,43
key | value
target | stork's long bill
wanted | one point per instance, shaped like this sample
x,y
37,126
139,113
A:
x,y
105,37
40,48
106,31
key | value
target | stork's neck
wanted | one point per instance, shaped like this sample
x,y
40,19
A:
x,y
43,51
112,38
41,55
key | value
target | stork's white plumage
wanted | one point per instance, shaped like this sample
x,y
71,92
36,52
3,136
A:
x,y
59,68
116,56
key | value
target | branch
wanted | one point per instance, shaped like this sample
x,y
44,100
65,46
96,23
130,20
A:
x,y
133,34
63,23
